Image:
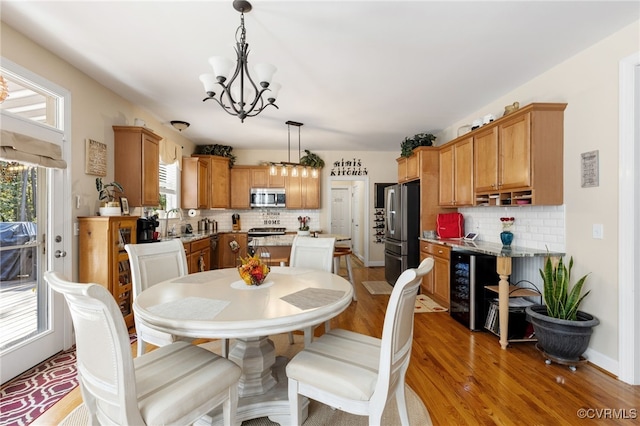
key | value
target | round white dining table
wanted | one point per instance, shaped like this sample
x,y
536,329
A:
x,y
217,304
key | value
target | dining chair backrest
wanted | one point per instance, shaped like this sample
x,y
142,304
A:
x,y
314,253
103,350
397,331
174,384
152,263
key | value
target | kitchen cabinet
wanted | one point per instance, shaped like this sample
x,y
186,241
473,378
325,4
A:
x,y
261,177
240,187
198,255
219,180
195,183
137,164
429,181
302,192
436,284
227,258
519,158
456,174
409,168
103,260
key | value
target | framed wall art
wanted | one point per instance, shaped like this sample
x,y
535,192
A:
x,y
95,158
124,206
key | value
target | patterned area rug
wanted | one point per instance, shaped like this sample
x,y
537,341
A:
x,y
24,398
425,304
377,287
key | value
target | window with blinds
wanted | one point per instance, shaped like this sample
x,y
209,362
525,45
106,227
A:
x,y
169,186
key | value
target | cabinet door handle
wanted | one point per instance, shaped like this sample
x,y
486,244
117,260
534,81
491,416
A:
x,y
440,251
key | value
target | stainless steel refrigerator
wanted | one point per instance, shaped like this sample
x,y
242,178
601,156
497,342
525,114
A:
x,y
402,229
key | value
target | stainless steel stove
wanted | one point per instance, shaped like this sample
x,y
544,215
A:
x,y
266,231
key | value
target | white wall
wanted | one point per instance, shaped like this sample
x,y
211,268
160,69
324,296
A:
x,y
588,83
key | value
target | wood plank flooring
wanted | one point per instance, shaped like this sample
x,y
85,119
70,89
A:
x,y
464,378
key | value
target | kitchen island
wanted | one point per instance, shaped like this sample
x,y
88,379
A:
x,y
275,249
504,256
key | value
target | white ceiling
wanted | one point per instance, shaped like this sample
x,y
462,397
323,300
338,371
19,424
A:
x,y
360,75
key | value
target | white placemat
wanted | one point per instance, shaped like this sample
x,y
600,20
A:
x,y
310,298
190,308
199,278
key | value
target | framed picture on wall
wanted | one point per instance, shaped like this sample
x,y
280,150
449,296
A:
x,y
124,206
95,158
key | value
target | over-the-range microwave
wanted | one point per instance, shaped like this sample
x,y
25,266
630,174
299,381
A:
x,y
268,197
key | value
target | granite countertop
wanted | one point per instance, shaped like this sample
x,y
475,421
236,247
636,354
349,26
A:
x,y
187,238
493,249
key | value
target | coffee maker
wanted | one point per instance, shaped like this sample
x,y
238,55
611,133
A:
x,y
146,229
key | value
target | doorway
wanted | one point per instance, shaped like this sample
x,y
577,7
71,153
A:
x,y
41,214
351,197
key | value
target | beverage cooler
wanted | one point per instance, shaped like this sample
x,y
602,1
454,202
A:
x,y
470,273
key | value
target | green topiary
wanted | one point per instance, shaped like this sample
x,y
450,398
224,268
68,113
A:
x,y
409,144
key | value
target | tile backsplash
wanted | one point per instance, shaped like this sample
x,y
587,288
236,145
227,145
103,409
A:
x,y
537,227
259,218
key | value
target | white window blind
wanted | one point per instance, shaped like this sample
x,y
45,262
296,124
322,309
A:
x,y
169,185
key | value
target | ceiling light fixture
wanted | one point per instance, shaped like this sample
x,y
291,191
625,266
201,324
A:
x,y
296,168
240,96
179,125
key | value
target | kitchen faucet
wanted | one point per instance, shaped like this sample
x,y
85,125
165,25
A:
x,y
166,220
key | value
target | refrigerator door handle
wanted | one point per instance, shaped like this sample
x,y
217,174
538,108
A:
x,y
391,212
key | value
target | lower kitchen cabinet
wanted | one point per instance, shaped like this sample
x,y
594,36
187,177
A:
x,y
198,255
436,283
227,257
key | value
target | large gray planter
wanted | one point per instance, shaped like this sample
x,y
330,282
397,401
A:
x,y
563,340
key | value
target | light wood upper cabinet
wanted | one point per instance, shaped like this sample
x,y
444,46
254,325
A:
x,y
519,158
456,174
302,192
261,177
486,160
195,183
219,177
137,164
240,187
408,168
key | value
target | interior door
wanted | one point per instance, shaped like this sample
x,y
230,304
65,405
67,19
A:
x,y
341,211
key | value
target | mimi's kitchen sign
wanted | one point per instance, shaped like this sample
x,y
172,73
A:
x,y
348,168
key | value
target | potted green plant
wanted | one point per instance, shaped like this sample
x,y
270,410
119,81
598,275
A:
x,y
562,330
420,139
311,160
108,197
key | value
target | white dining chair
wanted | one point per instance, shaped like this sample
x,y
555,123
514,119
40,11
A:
x,y
312,253
357,373
150,264
174,384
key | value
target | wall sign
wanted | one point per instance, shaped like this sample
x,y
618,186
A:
x,y
95,158
590,169
348,168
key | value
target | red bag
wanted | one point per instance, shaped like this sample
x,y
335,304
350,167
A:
x,y
450,225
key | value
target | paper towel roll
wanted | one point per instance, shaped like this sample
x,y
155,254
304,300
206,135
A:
x,y
192,213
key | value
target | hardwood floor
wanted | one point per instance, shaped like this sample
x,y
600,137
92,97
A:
x,y
464,378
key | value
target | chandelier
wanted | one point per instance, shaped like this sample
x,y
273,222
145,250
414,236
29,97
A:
x,y
288,167
239,95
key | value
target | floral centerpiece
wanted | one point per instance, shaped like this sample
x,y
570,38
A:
x,y
507,223
253,271
303,220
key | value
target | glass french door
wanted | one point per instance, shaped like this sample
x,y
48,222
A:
x,y
35,229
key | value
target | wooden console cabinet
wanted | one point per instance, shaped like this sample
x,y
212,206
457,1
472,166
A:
x,y
103,260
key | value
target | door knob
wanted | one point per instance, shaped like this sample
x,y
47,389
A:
x,y
60,253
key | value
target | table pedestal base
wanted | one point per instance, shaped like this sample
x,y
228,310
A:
x,y
273,404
